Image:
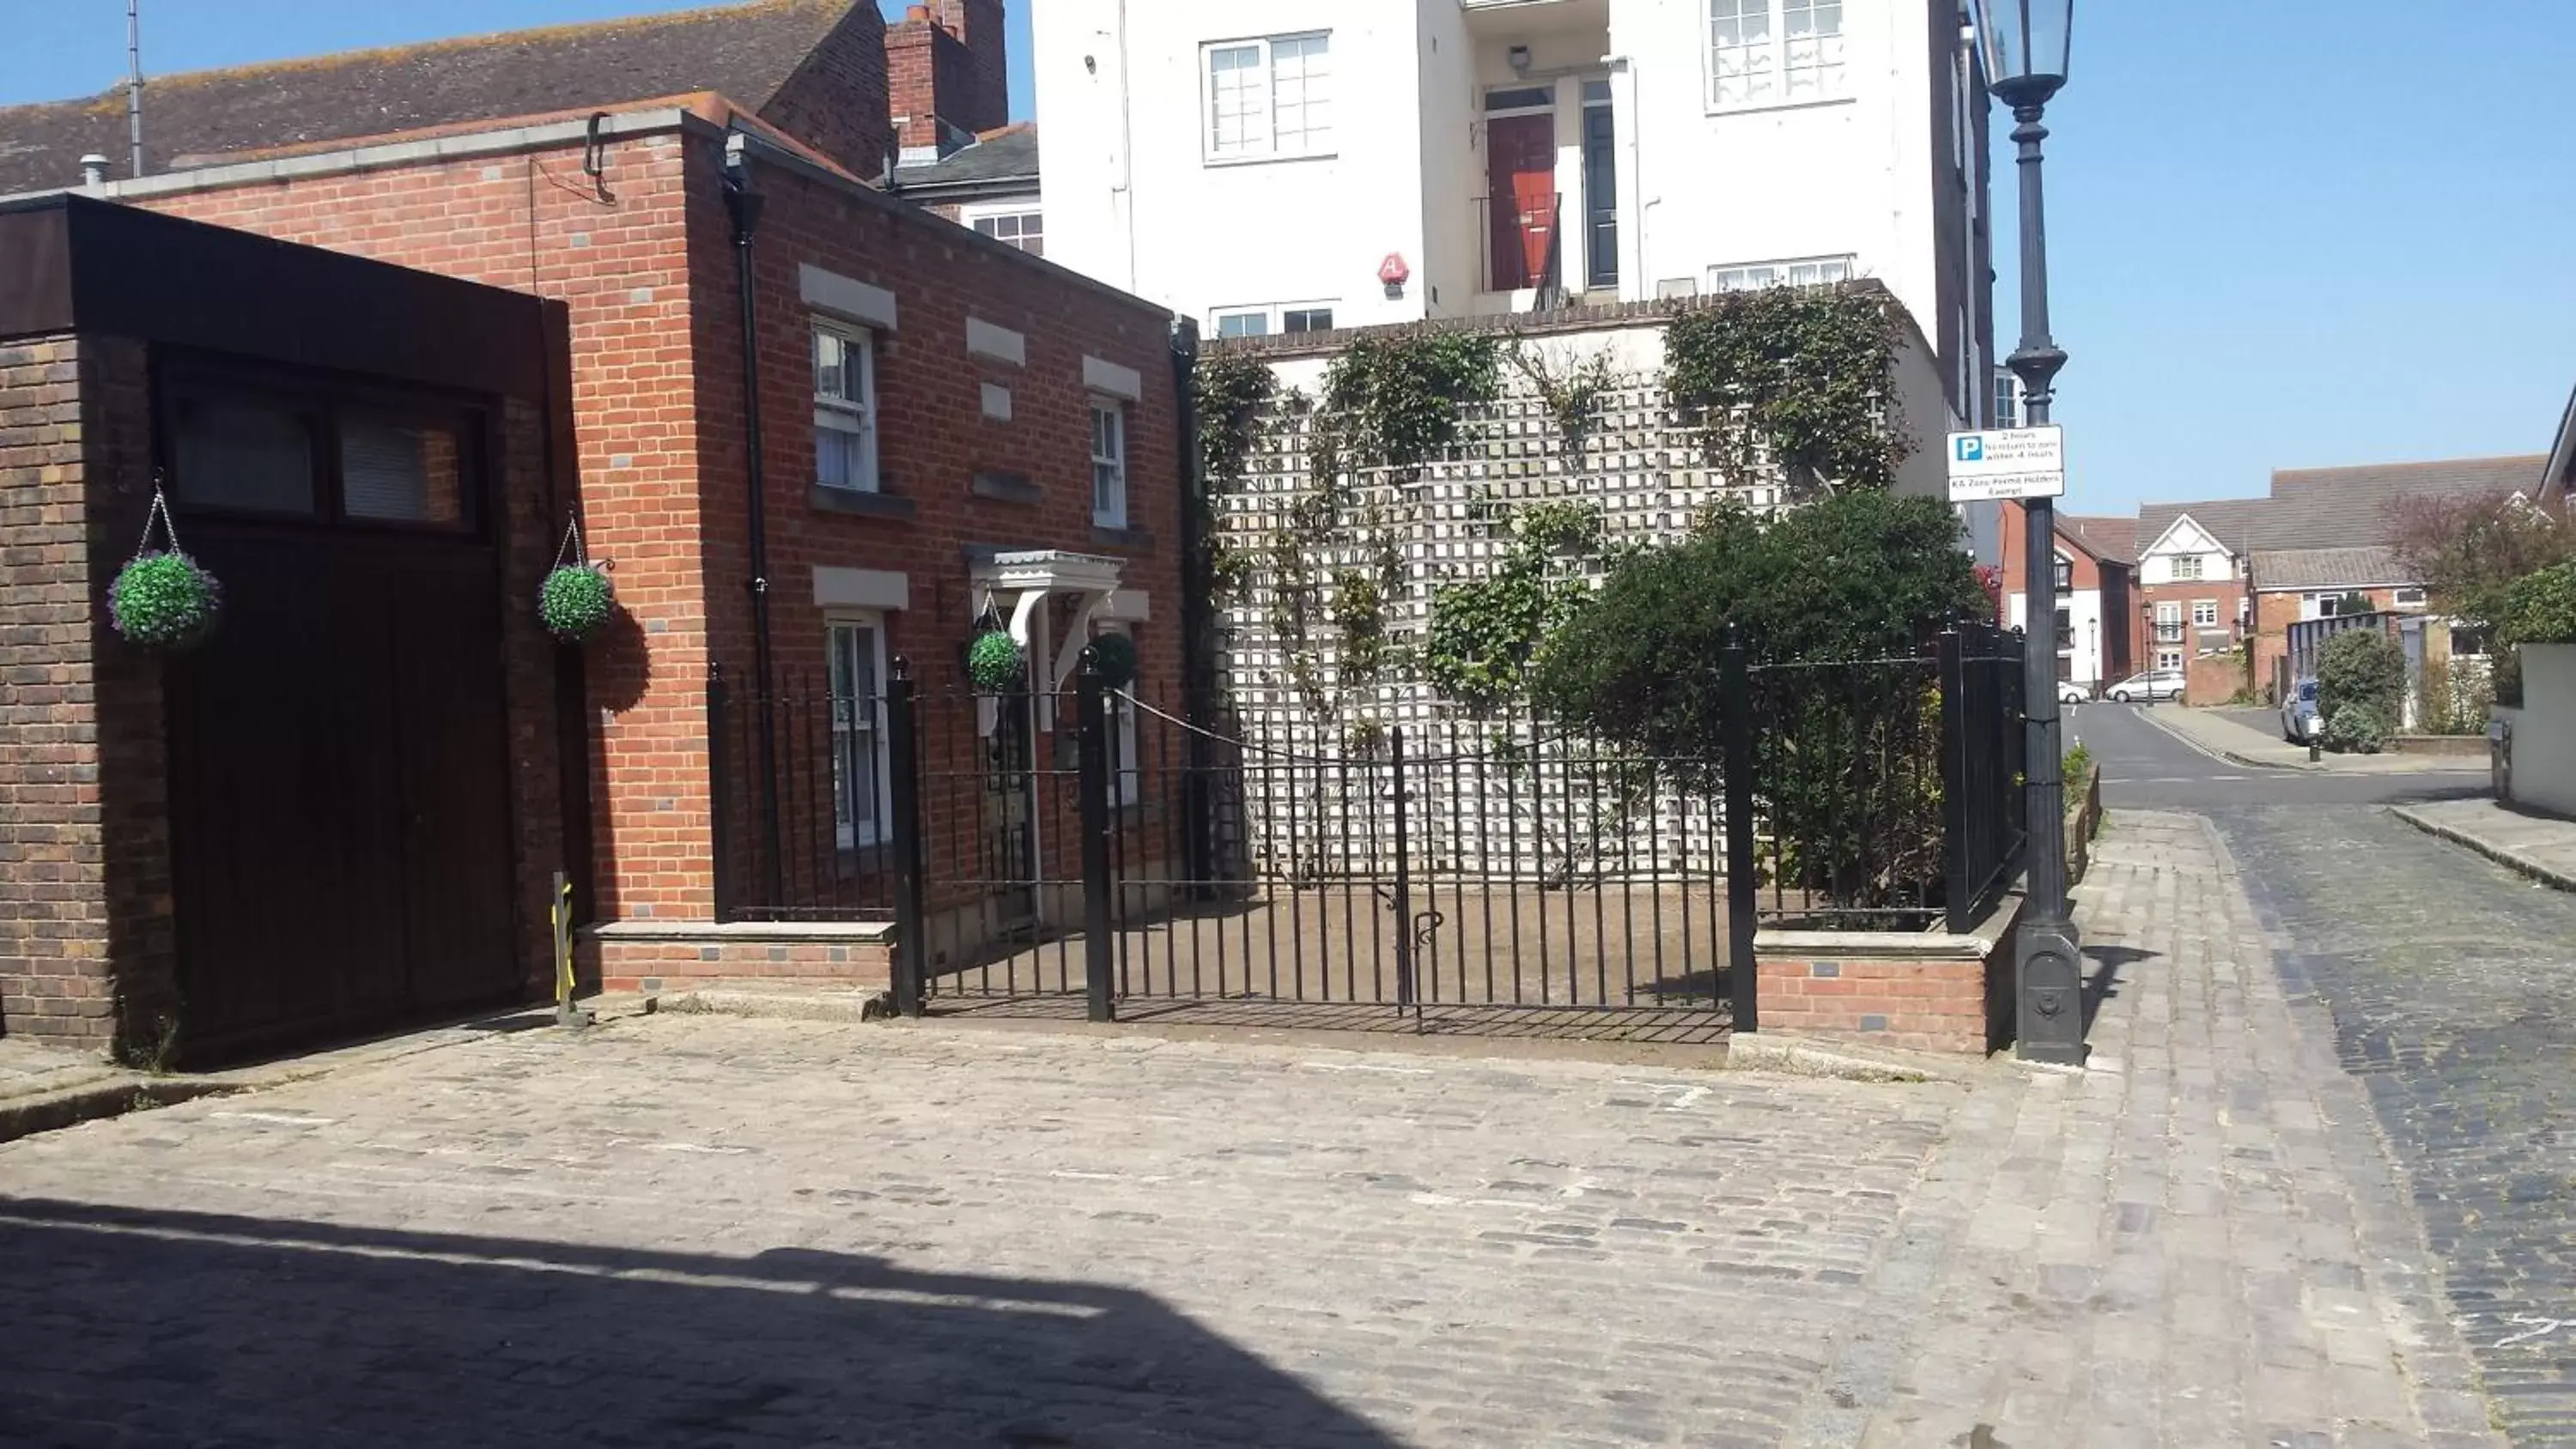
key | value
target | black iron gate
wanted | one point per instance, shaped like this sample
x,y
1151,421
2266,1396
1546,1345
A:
x,y
1097,847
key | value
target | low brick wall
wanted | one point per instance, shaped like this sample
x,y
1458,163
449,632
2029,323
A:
x,y
2468,747
661,955
1919,991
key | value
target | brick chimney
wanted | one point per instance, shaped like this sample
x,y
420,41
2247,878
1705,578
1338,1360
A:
x,y
947,71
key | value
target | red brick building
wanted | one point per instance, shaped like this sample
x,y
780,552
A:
x,y
948,427
2097,636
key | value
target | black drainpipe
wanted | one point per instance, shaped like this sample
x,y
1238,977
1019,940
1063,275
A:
x,y
744,204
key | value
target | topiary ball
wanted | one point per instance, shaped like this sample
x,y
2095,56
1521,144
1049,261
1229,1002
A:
x,y
1114,656
576,601
164,601
993,662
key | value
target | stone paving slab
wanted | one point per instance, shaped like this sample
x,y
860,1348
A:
x,y
2542,847
2198,1241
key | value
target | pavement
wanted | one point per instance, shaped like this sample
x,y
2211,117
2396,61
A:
x,y
2222,733
715,1230
2542,847
2448,985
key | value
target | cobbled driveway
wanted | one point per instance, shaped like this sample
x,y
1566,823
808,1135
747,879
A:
x,y
2452,985
707,1231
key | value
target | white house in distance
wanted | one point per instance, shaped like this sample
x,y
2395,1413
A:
x,y
1272,166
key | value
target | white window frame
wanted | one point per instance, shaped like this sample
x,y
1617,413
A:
x,y
1782,272
1768,63
842,417
848,831
1127,785
2200,607
973,218
1108,468
2168,661
1255,104
1272,317
2187,568
2409,599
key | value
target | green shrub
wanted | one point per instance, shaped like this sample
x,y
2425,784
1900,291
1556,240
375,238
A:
x,y
2357,729
2361,667
2541,607
993,662
164,601
2078,760
575,601
1114,657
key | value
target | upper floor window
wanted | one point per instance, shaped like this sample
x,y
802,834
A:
x,y
1801,272
1023,229
1108,464
2204,613
1269,97
2065,574
845,408
1774,52
2410,598
2186,566
1290,319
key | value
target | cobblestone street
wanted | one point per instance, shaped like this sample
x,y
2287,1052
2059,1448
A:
x,y
712,1231
2452,984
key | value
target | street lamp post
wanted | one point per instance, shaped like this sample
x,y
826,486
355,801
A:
x,y
2024,46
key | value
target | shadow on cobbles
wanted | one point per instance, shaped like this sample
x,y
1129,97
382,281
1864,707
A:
x,y
2103,968
238,1331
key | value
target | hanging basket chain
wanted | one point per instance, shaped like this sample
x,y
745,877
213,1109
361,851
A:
x,y
159,514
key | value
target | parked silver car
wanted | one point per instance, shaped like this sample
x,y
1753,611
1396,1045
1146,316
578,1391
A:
x,y
2151,686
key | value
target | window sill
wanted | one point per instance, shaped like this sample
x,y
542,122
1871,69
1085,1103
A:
x,y
863,505
1006,488
1759,108
1138,540
1273,159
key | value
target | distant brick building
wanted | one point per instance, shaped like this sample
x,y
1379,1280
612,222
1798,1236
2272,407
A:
x,y
2096,590
949,425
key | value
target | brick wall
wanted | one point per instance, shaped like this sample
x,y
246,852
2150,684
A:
x,y
1935,1006
947,64
836,100
645,263
934,441
617,256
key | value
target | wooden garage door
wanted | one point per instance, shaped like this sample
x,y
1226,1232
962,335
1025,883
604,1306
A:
x,y
339,775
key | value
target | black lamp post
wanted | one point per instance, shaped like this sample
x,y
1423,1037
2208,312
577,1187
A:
x,y
2024,45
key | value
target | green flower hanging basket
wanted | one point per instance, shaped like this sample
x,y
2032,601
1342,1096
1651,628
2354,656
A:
x,y
1114,656
576,601
164,601
993,662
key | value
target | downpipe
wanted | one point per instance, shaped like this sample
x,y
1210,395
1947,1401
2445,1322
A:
x,y
744,205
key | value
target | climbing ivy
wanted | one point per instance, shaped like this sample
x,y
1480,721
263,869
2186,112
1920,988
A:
x,y
1572,389
1802,375
1231,389
1484,632
1396,401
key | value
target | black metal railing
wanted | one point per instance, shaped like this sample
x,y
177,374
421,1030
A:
x,y
1102,843
829,793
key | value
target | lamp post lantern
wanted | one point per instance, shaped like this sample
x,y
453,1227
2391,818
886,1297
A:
x,y
2023,45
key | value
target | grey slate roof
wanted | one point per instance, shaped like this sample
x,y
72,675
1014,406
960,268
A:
x,y
2114,540
2335,508
2234,522
2327,568
746,51
1000,162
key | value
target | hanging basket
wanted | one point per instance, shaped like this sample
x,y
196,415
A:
x,y
576,602
577,599
163,599
1113,657
993,662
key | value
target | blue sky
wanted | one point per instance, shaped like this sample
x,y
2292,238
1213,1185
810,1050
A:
x,y
2291,233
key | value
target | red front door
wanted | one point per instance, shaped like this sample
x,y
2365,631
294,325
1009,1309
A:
x,y
1520,175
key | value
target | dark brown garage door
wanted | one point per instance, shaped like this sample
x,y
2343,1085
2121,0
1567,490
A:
x,y
339,775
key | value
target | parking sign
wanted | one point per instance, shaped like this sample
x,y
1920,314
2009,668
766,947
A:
x,y
2013,463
